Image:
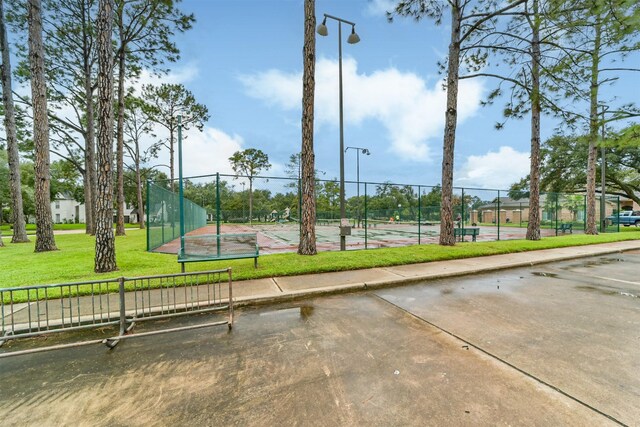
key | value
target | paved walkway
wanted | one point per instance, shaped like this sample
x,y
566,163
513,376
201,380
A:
x,y
284,289
279,289
552,344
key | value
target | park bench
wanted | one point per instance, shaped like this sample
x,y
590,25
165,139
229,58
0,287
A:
x,y
461,232
213,247
564,227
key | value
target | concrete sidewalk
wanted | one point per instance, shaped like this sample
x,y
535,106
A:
x,y
289,288
280,289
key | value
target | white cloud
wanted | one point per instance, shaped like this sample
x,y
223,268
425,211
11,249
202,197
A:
x,y
380,7
178,75
410,111
206,152
495,170
203,152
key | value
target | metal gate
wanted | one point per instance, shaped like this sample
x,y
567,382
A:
x,y
47,309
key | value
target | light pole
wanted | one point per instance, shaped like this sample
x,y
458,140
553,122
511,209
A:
x,y
352,39
358,151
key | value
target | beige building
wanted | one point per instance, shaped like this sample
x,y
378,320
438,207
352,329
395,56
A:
x,y
570,209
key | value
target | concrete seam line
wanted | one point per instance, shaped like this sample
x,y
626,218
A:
x,y
388,270
504,361
273,279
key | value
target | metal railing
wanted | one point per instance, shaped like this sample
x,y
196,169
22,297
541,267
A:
x,y
45,309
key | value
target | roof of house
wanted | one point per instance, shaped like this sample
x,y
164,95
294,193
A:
x,y
507,202
64,195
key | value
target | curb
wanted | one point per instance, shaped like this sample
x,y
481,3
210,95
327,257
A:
x,y
294,296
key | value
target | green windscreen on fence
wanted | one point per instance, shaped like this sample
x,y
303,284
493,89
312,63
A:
x,y
163,215
380,214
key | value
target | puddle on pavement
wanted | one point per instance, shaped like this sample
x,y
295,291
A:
x,y
543,274
306,311
601,261
303,311
605,291
593,263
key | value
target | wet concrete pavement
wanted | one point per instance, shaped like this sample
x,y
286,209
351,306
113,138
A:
x,y
553,344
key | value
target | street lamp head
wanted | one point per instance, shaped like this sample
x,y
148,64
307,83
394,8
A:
x,y
353,37
322,28
366,151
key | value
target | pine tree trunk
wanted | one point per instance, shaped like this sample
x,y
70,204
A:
x,y
592,158
533,228
120,137
89,162
44,224
307,244
139,190
17,209
105,259
89,177
447,237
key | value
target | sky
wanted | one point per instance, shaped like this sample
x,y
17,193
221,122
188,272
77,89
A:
x,y
243,60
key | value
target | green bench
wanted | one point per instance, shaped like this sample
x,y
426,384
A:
x,y
214,247
461,232
564,227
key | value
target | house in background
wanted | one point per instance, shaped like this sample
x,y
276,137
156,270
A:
x,y
66,210
570,208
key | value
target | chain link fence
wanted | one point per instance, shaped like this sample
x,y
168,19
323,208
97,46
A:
x,y
380,214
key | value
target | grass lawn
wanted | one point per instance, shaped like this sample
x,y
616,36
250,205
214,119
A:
x,y
31,228
20,266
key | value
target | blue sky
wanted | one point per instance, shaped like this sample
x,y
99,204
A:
x,y
243,59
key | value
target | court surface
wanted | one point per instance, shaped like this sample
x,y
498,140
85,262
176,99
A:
x,y
284,237
553,344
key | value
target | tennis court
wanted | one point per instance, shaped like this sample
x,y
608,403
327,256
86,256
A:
x,y
284,237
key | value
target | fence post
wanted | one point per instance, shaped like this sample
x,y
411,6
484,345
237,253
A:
x,y
218,213
498,216
300,208
521,214
162,204
584,213
146,220
557,197
123,312
230,298
419,214
617,214
366,225
462,208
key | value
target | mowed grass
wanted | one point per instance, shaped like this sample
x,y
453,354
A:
x,y
31,228
74,261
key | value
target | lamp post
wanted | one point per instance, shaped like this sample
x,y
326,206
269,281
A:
x,y
352,39
358,151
